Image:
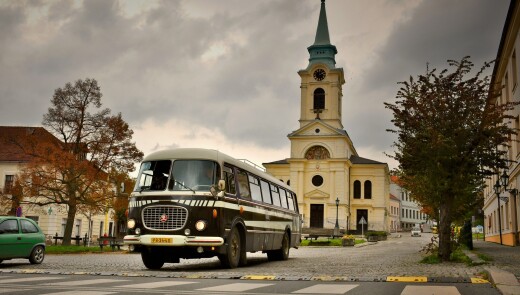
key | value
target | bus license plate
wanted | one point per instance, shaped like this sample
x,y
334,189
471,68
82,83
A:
x,y
162,240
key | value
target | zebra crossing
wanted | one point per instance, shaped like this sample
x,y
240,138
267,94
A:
x,y
89,285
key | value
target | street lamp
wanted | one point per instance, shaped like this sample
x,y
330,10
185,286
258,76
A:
x,y
336,227
504,180
496,187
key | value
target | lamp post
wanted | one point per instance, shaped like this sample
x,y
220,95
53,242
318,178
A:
x,y
336,227
496,187
504,180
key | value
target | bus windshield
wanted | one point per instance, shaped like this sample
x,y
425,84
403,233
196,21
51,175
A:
x,y
196,175
185,175
153,176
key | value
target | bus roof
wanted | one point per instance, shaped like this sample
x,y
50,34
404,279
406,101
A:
x,y
210,154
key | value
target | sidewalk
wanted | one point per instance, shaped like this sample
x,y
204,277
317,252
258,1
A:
x,y
504,269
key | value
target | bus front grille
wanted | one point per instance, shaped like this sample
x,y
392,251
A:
x,y
164,217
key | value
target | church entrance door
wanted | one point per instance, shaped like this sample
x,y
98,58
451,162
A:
x,y
316,215
361,213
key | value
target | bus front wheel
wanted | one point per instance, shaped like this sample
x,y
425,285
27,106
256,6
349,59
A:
x,y
152,260
231,258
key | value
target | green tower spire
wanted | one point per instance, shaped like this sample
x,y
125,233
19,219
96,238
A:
x,y
322,51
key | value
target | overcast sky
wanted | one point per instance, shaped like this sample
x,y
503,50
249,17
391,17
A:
x,y
223,74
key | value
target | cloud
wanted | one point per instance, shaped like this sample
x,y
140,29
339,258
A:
x,y
224,73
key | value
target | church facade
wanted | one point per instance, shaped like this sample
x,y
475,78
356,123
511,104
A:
x,y
332,181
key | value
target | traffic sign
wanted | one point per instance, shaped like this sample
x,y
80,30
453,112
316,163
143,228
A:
x,y
362,220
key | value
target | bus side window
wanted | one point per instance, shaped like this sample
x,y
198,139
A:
x,y
243,185
229,177
290,199
276,195
266,192
283,197
255,188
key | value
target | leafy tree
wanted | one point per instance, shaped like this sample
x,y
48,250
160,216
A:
x,y
74,170
449,130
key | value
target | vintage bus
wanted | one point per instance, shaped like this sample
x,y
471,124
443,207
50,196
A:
x,y
197,203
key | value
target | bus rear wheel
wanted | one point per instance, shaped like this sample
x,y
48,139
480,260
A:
x,y
233,250
283,252
152,260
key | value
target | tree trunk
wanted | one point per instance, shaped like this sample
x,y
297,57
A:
x,y
71,215
445,232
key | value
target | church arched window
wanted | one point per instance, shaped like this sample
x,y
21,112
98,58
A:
x,y
319,99
368,189
357,189
317,153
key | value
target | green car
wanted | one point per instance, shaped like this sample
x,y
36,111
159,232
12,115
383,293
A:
x,y
21,238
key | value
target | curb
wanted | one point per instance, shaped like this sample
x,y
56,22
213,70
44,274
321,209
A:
x,y
505,282
398,279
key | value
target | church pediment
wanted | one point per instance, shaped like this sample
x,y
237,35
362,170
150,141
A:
x,y
316,194
318,128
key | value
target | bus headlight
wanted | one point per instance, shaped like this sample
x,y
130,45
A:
x,y
130,223
200,225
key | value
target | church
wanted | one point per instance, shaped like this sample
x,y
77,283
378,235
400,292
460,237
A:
x,y
333,183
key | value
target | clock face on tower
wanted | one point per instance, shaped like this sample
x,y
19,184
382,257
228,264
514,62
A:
x,y
319,74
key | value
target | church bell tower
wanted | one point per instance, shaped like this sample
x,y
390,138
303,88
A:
x,y
321,81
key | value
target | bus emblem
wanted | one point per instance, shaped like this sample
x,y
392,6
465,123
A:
x,y
164,218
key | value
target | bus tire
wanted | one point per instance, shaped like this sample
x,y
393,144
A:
x,y
151,260
231,258
283,252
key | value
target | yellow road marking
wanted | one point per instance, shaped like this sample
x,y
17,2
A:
x,y
253,277
479,281
407,279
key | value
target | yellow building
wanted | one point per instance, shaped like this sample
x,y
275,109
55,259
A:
x,y
324,167
501,214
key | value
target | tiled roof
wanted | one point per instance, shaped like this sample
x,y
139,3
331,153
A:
x,y
10,136
358,160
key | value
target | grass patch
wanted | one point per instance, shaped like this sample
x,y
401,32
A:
x,y
431,259
458,256
72,249
484,257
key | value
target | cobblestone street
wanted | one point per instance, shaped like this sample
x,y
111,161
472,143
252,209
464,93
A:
x,y
397,256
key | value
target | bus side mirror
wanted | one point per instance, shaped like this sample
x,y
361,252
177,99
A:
x,y
221,185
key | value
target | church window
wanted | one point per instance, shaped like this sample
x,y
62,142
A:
x,y
317,153
317,180
319,99
368,189
357,189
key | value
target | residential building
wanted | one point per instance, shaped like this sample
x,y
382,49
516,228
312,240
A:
x,y
410,210
501,222
51,218
394,212
324,168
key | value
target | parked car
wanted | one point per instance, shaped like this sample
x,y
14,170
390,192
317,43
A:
x,y
21,238
416,231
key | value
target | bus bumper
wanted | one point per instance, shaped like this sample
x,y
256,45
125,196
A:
x,y
172,240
